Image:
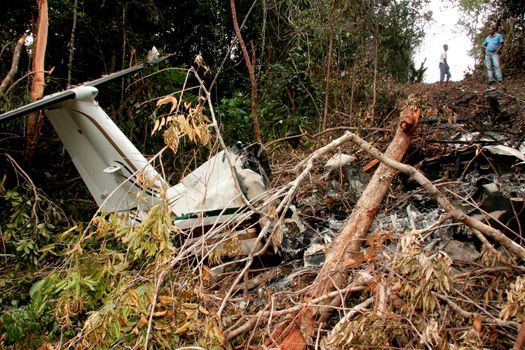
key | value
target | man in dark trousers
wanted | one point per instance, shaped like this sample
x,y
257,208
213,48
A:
x,y
444,69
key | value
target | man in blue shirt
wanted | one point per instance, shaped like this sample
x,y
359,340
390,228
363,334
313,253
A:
x,y
491,50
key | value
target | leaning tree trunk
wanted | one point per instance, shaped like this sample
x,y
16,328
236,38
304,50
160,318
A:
x,y
14,65
251,72
34,121
344,252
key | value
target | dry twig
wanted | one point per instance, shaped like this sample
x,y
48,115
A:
x,y
364,281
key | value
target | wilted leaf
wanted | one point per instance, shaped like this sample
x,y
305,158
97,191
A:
x,y
143,320
206,275
156,126
184,328
161,327
476,323
165,299
166,100
505,313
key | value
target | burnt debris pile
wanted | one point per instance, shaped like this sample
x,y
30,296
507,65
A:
x,y
440,261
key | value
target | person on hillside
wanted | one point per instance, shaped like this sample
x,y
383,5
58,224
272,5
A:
x,y
491,49
444,69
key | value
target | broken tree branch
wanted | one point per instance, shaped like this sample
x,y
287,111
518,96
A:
x,y
339,257
381,297
432,190
14,64
467,314
365,280
494,270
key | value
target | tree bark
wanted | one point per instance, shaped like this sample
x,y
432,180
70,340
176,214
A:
x,y
327,88
14,64
251,73
124,48
34,121
345,248
376,59
72,45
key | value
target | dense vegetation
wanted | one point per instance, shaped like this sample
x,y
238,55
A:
x,y
66,282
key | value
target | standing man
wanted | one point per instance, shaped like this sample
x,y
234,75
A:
x,y
491,50
444,69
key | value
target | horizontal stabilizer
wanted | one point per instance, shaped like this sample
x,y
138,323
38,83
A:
x,y
46,102
50,100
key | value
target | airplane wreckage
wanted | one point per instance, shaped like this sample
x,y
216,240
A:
x,y
114,170
325,263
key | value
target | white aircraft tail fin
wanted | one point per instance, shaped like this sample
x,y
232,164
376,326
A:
x,y
120,178
114,171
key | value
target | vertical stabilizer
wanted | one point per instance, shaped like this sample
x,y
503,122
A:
x,y
110,165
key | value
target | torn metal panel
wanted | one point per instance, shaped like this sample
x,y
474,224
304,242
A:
x,y
503,150
209,195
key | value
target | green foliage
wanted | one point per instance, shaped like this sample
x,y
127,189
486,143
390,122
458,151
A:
x,y
402,30
501,9
277,119
291,47
289,98
473,5
234,118
372,42
18,322
29,224
113,283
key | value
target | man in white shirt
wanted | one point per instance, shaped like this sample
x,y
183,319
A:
x,y
444,69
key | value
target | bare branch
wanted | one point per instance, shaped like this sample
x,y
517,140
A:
x,y
14,64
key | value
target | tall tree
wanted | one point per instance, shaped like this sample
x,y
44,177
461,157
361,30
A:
x,y
34,121
251,72
14,66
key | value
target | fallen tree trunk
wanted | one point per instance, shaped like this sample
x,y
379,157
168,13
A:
x,y
439,197
344,250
